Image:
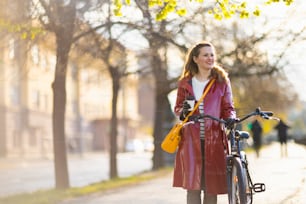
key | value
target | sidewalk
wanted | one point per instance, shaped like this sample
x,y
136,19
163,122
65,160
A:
x,y
25,175
158,191
14,162
285,180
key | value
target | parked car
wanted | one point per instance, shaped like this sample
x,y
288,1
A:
x,y
140,145
134,145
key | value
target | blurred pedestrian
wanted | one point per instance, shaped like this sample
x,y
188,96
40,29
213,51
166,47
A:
x,y
282,128
257,134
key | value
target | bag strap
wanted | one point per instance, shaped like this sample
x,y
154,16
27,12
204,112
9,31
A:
x,y
200,100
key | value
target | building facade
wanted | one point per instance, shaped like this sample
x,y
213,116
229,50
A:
x,y
26,100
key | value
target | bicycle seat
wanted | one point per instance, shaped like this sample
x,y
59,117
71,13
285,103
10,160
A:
x,y
242,134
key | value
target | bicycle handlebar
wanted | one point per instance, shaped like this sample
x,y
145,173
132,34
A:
x,y
195,118
264,114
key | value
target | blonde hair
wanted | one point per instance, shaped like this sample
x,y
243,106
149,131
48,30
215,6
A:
x,y
191,68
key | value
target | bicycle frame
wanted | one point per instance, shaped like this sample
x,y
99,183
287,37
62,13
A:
x,y
240,185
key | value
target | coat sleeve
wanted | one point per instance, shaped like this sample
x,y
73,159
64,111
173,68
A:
x,y
179,99
228,110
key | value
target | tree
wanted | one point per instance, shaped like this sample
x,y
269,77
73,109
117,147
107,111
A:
x,y
257,78
155,34
113,55
220,9
60,17
101,44
65,20
104,46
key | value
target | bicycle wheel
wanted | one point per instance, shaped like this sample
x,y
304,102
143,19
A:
x,y
237,183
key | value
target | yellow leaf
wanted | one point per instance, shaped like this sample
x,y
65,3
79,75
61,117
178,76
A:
x,y
181,12
24,35
256,12
243,4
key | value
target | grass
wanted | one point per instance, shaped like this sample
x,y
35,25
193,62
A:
x,y
55,196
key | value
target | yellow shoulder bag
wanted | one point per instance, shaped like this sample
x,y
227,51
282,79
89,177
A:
x,y
173,138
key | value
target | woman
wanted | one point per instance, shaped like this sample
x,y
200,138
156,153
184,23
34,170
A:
x,y
200,163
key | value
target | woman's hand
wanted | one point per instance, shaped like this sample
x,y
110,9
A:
x,y
230,122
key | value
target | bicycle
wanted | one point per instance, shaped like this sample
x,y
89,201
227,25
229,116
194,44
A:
x,y
240,184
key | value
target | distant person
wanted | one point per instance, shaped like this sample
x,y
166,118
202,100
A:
x,y
257,134
282,128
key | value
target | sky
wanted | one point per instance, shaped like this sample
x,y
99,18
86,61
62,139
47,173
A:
x,y
293,19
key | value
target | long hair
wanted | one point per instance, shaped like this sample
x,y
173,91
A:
x,y
191,68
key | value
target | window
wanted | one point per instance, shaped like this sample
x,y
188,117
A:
x,y
11,49
35,54
14,95
35,98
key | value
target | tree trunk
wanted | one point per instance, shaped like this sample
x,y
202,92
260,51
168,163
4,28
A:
x,y
163,115
63,19
59,109
3,112
158,133
114,126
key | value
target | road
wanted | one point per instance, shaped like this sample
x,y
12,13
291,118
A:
x,y
285,179
27,175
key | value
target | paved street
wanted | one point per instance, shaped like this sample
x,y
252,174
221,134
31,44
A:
x,y
285,180
27,175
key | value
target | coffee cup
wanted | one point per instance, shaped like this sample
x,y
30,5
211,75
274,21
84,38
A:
x,y
191,102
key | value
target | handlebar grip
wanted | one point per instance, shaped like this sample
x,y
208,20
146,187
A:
x,y
268,113
263,113
194,118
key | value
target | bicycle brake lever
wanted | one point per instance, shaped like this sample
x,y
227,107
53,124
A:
x,y
193,118
264,116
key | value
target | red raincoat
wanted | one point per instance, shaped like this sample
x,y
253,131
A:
x,y
188,162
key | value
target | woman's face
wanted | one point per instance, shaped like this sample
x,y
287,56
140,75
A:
x,y
206,58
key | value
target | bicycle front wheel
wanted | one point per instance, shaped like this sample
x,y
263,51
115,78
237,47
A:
x,y
238,183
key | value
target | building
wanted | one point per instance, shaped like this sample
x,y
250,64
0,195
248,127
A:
x,y
26,102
